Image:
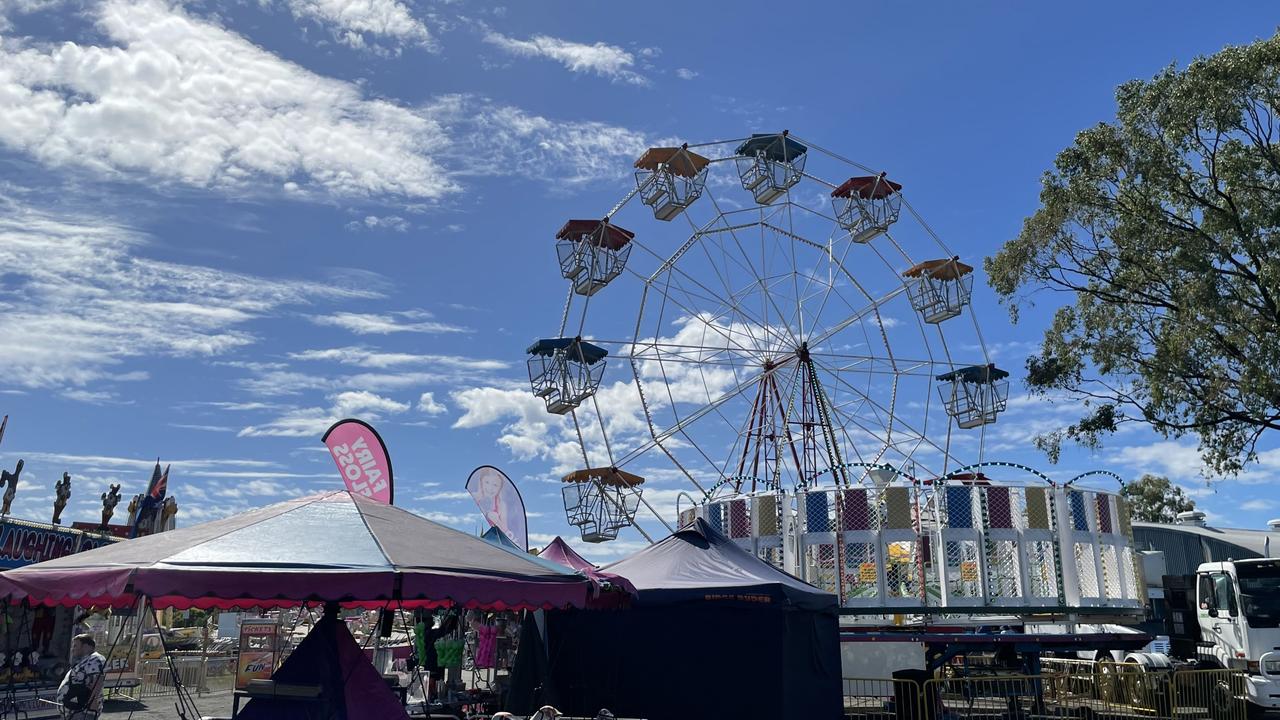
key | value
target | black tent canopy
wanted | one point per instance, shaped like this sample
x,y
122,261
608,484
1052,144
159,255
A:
x,y
713,632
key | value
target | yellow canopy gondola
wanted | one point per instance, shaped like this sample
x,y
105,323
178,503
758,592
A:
x,y
678,160
941,269
669,179
611,476
940,289
601,501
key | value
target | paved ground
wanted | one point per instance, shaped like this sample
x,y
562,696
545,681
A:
x,y
216,704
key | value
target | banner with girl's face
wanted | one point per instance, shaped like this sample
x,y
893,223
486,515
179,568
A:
x,y
500,503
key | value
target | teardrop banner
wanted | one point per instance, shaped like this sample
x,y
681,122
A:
x,y
500,503
362,459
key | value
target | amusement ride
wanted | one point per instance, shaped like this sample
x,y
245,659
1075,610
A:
x,y
773,329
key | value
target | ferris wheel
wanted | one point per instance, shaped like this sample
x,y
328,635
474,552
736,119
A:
x,y
774,317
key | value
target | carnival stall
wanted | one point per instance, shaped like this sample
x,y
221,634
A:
x,y
337,549
713,632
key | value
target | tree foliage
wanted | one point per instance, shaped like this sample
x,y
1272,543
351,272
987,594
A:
x,y
1163,229
1152,498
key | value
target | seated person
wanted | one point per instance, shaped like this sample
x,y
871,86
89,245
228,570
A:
x,y
81,690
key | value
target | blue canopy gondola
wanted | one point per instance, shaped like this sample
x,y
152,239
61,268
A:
x,y
975,374
565,371
772,146
769,164
974,395
577,348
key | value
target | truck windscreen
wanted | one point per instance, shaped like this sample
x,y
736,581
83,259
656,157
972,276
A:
x,y
1260,592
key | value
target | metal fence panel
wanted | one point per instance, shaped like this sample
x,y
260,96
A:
x,y
1071,689
881,699
196,674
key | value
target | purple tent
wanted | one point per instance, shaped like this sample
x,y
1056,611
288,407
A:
x,y
330,547
558,551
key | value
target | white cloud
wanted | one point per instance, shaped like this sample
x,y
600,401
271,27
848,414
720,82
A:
x,y
9,8
89,396
445,495
454,520
609,61
313,421
177,99
278,382
686,73
528,430
78,299
1258,504
1164,457
361,402
365,357
429,405
383,324
394,223
205,428
189,466
490,139
365,24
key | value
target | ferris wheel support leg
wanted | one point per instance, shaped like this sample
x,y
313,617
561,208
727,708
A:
x,y
789,536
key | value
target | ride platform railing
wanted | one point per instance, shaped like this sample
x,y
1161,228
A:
x,y
970,547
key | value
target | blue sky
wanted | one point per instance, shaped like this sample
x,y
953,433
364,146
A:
x,y
223,225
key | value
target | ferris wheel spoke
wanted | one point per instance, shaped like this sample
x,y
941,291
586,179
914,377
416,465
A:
x,y
856,317
726,309
729,260
871,401
658,436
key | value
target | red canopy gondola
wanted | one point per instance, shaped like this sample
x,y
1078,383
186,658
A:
x,y
870,187
597,232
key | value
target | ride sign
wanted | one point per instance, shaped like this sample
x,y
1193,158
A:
x,y
362,459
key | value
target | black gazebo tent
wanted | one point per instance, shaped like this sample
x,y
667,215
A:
x,y
713,632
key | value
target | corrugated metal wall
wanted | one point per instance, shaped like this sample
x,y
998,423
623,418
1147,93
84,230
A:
x,y
1183,551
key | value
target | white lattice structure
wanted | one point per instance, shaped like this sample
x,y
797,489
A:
x,y
959,545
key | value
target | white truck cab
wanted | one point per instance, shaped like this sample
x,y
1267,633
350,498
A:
x,y
1238,607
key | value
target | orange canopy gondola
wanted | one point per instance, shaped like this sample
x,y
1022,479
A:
x,y
678,160
870,187
942,269
611,476
597,232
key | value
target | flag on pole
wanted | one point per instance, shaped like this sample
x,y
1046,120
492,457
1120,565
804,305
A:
x,y
160,488
151,501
